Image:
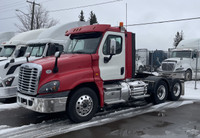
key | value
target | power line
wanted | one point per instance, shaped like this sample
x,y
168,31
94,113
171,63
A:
x,y
11,17
167,21
2,7
9,9
97,4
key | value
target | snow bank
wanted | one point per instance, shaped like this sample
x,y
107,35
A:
x,y
190,92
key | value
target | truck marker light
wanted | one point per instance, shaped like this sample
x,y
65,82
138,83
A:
x,y
97,74
121,24
48,71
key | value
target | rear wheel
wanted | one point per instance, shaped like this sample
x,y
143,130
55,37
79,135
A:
x,y
176,89
160,93
188,75
82,105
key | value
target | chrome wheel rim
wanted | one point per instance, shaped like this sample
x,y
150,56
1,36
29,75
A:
x,y
161,92
177,89
84,105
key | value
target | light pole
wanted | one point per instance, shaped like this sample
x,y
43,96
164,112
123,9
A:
x,y
21,12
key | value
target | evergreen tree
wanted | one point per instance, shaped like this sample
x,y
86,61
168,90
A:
x,y
81,16
93,18
178,38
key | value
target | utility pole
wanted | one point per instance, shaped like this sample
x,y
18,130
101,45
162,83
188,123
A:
x,y
33,11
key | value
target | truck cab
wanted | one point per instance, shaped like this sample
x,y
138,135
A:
x,y
4,37
16,46
97,69
182,61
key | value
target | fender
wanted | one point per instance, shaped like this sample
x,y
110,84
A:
x,y
153,81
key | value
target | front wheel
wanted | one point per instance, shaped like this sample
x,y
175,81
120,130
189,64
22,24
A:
x,y
160,93
82,105
188,75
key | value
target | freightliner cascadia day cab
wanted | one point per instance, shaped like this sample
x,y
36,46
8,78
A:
x,y
16,46
47,43
182,61
96,70
4,37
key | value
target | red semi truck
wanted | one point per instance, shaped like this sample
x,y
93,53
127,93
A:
x,y
97,69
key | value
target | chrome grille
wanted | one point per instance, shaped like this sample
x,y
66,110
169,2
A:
x,y
168,66
29,78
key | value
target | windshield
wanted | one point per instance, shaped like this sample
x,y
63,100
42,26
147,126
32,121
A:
x,y
181,54
36,49
83,43
7,51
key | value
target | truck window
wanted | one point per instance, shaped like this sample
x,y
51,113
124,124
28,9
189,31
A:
x,y
106,46
83,43
53,48
22,51
181,54
36,49
7,51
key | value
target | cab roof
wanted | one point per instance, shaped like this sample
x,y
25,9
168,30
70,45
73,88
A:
x,y
92,28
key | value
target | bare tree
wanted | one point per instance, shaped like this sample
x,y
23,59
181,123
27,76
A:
x,y
178,38
41,19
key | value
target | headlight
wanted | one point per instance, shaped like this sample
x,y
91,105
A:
x,y
50,87
8,81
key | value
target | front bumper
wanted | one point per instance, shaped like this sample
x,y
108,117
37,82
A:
x,y
8,92
178,74
42,105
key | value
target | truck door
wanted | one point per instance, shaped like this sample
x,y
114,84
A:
x,y
115,68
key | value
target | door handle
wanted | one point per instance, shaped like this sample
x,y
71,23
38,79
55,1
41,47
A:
x,y
122,70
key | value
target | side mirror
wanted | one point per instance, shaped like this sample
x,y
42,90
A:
x,y
194,55
12,60
27,55
16,54
113,47
57,54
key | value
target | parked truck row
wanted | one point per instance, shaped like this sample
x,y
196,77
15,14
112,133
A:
x,y
96,69
184,61
29,46
149,60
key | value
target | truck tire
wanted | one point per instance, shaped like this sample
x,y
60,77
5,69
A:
x,y
176,89
188,75
82,105
160,92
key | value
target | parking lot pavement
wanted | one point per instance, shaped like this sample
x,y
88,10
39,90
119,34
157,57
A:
x,y
181,122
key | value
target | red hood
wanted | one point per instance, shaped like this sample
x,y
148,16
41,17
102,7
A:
x,y
64,60
67,64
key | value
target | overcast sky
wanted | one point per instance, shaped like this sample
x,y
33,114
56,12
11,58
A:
x,y
157,36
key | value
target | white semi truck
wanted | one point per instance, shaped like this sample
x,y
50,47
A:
x,y
5,36
18,43
47,43
182,61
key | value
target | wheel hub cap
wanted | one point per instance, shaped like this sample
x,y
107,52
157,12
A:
x,y
84,105
177,89
161,92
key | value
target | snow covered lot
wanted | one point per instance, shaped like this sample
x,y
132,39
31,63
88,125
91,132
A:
x,y
58,126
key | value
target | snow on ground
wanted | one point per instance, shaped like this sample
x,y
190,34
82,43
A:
x,y
4,107
190,91
52,128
